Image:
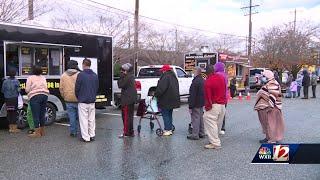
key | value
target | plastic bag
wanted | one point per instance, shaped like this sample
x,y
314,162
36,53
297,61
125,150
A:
x,y
20,102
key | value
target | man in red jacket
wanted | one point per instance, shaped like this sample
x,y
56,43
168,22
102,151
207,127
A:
x,y
215,100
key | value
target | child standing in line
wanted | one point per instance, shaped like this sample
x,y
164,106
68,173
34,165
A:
x,y
293,88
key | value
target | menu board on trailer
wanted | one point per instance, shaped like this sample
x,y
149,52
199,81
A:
x,y
202,60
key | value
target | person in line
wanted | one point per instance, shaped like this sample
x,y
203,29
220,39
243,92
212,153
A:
x,y
233,87
288,84
305,84
11,90
219,68
246,84
37,90
86,89
67,91
269,107
167,93
276,76
314,81
215,101
128,99
293,88
196,103
299,83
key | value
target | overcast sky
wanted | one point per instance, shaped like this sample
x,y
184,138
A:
x,y
223,15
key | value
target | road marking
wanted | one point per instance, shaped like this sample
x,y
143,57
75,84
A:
x,y
113,114
62,124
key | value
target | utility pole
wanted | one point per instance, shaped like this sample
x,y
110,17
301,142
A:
x,y
250,7
177,45
30,10
136,36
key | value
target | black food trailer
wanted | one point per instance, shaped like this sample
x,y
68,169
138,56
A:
x,y
22,46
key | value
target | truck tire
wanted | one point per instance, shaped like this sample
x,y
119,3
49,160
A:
x,y
51,113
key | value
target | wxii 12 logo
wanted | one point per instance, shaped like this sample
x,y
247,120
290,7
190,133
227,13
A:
x,y
264,153
281,152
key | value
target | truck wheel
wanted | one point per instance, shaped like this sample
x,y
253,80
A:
x,y
22,118
117,103
51,114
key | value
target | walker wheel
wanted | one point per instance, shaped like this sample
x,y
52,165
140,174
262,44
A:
x,y
159,132
173,128
151,125
190,129
139,128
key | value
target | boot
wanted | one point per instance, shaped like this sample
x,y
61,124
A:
x,y
36,133
15,128
42,131
10,128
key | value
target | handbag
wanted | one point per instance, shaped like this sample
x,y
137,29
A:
x,y
20,102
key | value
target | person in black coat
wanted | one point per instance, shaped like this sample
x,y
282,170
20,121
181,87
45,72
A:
x,y
306,84
128,99
168,96
196,103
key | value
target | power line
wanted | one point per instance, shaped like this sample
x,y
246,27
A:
x,y
165,22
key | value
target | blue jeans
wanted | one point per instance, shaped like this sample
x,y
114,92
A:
x,y
38,105
72,110
167,118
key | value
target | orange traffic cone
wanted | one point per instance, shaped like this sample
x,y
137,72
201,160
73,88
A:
x,y
248,96
240,96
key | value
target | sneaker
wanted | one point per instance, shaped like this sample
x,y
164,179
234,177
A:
x,y
82,140
211,146
73,135
201,136
265,140
125,136
193,137
222,132
92,139
167,133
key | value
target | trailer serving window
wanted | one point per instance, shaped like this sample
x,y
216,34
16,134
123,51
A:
x,y
23,55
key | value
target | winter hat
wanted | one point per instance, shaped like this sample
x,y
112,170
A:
x,y
219,67
126,67
268,74
165,68
72,64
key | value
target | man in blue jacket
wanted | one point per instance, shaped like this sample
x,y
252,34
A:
x,y
86,90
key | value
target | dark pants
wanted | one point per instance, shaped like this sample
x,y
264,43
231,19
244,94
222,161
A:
x,y
197,121
127,118
233,91
167,118
298,90
12,104
223,128
314,90
306,91
72,110
38,107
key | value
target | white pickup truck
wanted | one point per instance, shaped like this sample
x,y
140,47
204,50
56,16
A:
x,y
147,80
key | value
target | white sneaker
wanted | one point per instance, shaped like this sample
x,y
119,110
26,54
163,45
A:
x,y
222,132
167,133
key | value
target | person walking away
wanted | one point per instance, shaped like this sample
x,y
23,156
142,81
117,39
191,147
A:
x,y
36,88
233,87
167,93
305,84
196,103
67,91
128,99
86,89
299,83
293,88
11,90
269,105
246,84
219,68
314,81
288,83
215,101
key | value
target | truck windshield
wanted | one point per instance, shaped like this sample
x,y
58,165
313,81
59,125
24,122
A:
x,y
253,72
149,72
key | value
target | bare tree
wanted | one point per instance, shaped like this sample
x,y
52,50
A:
x,y
16,10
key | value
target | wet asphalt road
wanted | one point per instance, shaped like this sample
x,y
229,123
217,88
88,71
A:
x,y
58,156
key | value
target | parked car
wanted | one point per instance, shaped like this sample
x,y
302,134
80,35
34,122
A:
x,y
255,75
147,80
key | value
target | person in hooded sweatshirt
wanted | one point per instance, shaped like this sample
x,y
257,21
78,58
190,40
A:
x,y
86,89
219,68
67,91
305,84
128,99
